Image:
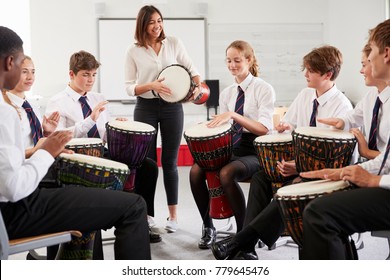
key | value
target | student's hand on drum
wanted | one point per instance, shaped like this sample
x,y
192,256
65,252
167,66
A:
x,y
327,173
335,122
121,119
359,176
281,127
362,143
287,168
55,143
160,88
98,109
49,124
219,119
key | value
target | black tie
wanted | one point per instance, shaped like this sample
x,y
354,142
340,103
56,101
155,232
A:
x,y
372,145
93,132
314,113
239,109
35,125
385,157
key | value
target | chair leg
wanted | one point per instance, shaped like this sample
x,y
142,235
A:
x,y
226,229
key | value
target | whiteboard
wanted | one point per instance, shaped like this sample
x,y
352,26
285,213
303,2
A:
x,y
116,35
279,49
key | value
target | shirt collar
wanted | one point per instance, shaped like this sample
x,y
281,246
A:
x,y
73,94
326,96
245,83
16,100
384,95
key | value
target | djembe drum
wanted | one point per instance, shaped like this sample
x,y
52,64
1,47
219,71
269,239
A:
x,y
86,146
211,149
129,142
178,79
270,149
318,148
293,199
87,171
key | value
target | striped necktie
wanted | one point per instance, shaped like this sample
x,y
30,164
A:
x,y
35,125
385,156
372,145
93,132
239,109
314,113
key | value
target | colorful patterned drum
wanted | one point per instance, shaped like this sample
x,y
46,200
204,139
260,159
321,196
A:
x,y
317,148
129,142
270,149
87,146
88,171
211,149
293,199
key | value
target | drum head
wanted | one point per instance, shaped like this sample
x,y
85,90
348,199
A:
x,y
97,162
132,126
178,80
312,188
274,138
201,130
324,132
84,142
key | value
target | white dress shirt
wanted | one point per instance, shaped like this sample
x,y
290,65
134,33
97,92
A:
x,y
332,103
143,65
374,165
19,177
71,115
25,122
361,116
259,100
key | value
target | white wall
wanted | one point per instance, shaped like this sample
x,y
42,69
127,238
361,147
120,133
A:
x,y
59,28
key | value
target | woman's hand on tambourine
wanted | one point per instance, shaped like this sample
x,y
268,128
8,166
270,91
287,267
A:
x,y
160,88
219,119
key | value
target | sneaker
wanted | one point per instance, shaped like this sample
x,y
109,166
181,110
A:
x,y
171,226
151,222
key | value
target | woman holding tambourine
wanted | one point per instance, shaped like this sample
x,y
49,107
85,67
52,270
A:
x,y
145,60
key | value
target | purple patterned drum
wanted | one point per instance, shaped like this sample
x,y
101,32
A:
x,y
129,142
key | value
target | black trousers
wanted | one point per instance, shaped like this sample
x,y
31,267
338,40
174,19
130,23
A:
x,y
168,117
330,219
83,209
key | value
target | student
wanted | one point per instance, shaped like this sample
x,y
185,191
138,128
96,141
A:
x,y
82,72
152,52
34,131
363,114
322,67
329,219
255,119
27,210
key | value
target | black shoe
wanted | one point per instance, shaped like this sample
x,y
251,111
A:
x,y
225,248
241,255
154,237
208,237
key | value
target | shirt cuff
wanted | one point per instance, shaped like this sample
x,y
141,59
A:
x,y
385,182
